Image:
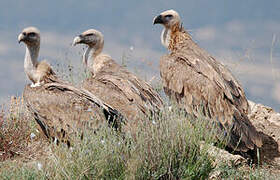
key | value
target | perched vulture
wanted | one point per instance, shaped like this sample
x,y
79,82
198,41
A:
x,y
198,82
58,107
115,85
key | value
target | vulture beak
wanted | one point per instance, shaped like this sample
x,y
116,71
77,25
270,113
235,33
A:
x,y
158,20
21,37
77,40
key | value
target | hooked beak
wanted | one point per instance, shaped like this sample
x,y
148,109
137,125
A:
x,y
77,40
21,37
158,19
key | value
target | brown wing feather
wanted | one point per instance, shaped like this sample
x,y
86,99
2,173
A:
x,y
125,92
128,85
61,108
191,81
112,95
111,92
203,62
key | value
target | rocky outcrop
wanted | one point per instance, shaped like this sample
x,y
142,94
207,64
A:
x,y
267,122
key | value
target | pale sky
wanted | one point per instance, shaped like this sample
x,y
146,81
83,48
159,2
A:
x,y
244,35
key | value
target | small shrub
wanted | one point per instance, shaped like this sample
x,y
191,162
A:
x,y
15,129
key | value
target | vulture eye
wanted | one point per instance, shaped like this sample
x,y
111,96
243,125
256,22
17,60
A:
x,y
90,34
32,34
168,17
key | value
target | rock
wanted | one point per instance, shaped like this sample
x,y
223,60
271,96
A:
x,y
261,112
221,156
267,122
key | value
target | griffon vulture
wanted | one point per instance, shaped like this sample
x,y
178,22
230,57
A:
x,y
115,85
198,82
58,107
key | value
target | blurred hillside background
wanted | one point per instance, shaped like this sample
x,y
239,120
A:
x,y
244,35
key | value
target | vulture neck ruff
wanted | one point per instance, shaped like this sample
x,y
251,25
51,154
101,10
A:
x,y
173,38
30,61
167,35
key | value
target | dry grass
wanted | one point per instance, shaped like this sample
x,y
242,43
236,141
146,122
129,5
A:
x,y
14,129
166,148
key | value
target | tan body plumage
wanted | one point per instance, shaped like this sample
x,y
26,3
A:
x,y
198,82
42,73
116,86
58,107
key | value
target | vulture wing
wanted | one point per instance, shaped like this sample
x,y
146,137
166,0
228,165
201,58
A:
x,y
60,109
135,90
111,94
196,80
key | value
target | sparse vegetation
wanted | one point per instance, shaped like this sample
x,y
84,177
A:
x,y
15,129
167,148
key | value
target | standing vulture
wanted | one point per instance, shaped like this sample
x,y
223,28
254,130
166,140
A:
x,y
115,85
198,82
58,107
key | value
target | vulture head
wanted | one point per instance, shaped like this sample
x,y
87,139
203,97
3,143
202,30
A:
x,y
168,19
30,36
93,39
